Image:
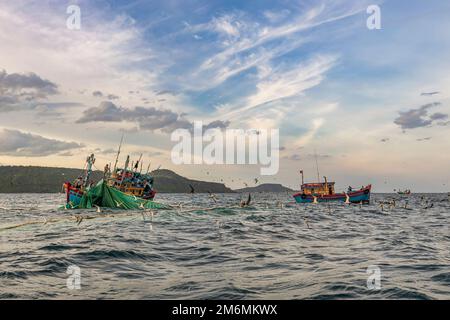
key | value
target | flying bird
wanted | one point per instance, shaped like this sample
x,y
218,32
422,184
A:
x,y
429,93
212,196
246,203
424,139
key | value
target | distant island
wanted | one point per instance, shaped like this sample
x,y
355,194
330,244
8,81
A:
x,y
33,179
266,187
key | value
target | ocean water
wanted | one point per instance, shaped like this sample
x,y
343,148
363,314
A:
x,y
274,249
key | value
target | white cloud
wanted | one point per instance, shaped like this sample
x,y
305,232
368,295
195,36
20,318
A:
x,y
20,144
105,53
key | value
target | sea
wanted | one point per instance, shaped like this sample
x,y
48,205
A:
x,y
397,247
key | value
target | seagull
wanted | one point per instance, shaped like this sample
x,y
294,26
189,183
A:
x,y
246,203
118,204
98,209
307,224
429,204
429,93
256,180
315,199
392,204
347,198
79,219
212,196
151,214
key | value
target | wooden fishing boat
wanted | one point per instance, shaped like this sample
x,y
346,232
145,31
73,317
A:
x,y
129,181
325,192
406,192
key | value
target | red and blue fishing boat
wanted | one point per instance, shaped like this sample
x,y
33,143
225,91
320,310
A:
x,y
325,192
128,180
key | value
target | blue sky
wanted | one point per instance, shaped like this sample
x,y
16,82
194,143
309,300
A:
x,y
310,68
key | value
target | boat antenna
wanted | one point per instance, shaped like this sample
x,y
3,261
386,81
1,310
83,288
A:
x,y
118,152
317,166
148,168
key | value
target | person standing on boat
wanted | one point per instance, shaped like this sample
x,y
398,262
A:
x,y
106,172
350,189
147,188
79,182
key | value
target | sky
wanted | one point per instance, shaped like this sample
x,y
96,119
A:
x,y
372,104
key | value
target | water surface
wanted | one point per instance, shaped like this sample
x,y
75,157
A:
x,y
274,249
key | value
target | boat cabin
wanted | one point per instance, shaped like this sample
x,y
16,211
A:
x,y
318,188
130,182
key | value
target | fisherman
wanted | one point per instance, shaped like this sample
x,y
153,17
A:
x,y
106,171
79,182
147,189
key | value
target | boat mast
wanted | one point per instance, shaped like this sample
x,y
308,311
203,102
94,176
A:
x,y
118,153
317,166
127,162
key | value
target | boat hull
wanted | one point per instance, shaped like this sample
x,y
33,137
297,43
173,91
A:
x,y
74,195
358,196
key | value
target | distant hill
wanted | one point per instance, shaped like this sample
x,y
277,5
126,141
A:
x,y
169,181
266,187
21,179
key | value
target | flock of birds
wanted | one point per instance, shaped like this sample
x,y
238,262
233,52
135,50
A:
x,y
386,205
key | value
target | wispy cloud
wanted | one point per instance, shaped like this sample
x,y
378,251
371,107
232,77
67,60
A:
x,y
250,43
284,82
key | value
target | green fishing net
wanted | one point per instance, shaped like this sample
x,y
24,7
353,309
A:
x,y
104,196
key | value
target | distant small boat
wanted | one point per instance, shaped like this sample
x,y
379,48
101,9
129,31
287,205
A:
x,y
324,192
405,192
